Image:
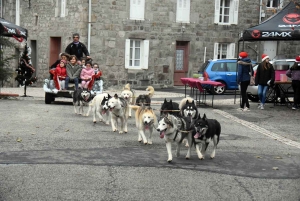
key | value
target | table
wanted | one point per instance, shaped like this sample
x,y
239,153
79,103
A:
x,y
200,85
283,90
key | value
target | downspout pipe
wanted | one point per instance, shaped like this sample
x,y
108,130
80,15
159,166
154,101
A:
x,y
89,26
260,9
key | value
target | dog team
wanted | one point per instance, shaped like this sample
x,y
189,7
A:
x,y
177,123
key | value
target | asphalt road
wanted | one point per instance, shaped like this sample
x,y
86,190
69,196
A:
x,y
49,153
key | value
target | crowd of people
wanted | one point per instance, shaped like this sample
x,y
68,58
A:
x,y
265,78
73,67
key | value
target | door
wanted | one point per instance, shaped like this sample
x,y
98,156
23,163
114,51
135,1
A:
x,y
55,47
181,62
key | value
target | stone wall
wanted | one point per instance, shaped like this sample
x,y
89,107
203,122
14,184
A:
x,y
111,27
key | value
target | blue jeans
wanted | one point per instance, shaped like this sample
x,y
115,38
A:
x,y
68,80
262,92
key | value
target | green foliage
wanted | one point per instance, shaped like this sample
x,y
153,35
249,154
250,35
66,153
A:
x,y
6,70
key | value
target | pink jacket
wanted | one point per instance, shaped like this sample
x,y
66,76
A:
x,y
86,73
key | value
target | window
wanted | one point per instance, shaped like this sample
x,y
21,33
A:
x,y
224,51
275,4
183,11
226,12
136,54
137,9
63,8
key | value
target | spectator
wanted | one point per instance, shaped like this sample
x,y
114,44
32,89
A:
x,y
61,73
294,74
62,56
77,48
73,72
244,74
86,75
98,82
265,77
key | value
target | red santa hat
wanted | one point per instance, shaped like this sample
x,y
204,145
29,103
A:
x,y
297,59
264,57
243,55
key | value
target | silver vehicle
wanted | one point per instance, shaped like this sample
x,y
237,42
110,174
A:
x,y
252,90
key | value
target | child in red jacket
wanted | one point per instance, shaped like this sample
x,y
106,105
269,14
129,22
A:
x,y
61,73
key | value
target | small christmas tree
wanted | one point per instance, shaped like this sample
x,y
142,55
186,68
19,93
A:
x,y
25,69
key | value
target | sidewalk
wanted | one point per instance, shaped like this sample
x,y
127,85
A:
x,y
38,92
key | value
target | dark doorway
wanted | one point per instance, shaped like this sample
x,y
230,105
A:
x,y
181,61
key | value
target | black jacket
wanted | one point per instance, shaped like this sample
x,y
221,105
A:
x,y
77,50
264,75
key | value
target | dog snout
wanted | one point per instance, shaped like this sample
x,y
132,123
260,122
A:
x,y
158,129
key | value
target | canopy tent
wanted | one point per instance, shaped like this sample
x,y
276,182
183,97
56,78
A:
x,y
11,30
284,25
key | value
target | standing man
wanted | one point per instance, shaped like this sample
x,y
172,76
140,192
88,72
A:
x,y
77,48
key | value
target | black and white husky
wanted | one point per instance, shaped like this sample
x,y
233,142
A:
x,y
81,97
118,108
175,129
205,131
99,108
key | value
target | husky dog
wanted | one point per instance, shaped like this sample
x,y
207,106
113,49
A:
x,y
145,99
169,108
175,129
97,106
81,97
129,95
119,110
206,130
145,119
188,108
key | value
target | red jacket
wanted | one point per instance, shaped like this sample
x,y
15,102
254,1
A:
x,y
61,72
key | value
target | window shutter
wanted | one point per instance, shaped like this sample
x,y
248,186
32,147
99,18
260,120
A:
x,y
186,11
145,54
179,11
127,52
235,9
63,8
141,10
216,50
133,9
231,51
217,11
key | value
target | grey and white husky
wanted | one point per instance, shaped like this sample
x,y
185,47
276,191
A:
x,y
175,129
118,108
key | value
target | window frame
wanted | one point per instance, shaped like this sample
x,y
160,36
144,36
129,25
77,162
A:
x,y
280,4
232,14
144,54
137,12
230,50
183,13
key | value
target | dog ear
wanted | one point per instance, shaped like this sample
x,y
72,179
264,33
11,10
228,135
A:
x,y
165,100
204,117
109,96
187,101
170,100
193,102
167,120
199,116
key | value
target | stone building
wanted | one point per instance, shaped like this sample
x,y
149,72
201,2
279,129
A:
x,y
143,42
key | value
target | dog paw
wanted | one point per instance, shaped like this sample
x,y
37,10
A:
x,y
107,123
94,122
145,143
149,142
125,131
201,158
114,130
212,157
120,132
187,158
169,160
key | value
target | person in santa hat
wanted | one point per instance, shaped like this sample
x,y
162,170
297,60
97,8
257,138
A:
x,y
294,74
265,77
244,74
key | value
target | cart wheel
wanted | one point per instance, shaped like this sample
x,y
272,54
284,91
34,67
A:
x,y
48,98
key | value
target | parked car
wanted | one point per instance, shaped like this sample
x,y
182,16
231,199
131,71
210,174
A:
x,y
221,70
252,90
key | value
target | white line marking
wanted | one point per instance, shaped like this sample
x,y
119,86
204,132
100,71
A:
x,y
259,129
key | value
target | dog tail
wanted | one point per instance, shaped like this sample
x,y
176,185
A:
x,y
183,102
127,87
134,107
151,91
218,131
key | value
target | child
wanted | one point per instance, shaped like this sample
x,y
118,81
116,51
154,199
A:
x,y
86,75
61,73
98,83
83,61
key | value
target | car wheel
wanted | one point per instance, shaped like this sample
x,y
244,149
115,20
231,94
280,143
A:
x,y
48,98
219,89
253,98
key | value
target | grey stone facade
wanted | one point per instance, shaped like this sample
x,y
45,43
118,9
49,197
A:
x,y
111,27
